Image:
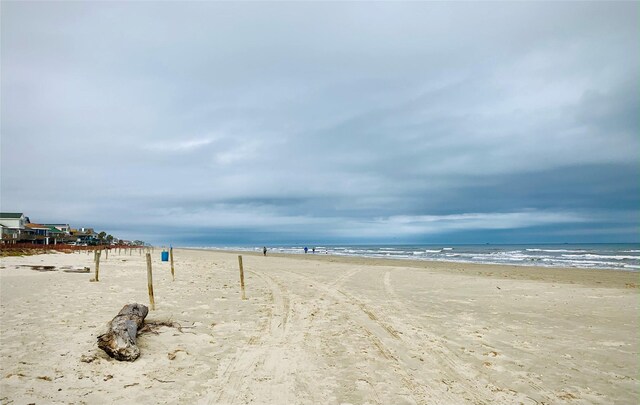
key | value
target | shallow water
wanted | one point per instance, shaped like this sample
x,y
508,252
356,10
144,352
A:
x,y
602,256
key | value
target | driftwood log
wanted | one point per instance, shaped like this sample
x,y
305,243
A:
x,y
120,340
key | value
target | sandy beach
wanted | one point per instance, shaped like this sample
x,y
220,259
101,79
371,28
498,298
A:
x,y
319,330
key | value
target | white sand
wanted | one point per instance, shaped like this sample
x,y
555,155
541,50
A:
x,y
320,330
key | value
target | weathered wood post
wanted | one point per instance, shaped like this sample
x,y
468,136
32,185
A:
x,y
97,265
106,256
150,283
171,258
241,277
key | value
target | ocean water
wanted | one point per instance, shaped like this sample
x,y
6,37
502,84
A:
x,y
601,256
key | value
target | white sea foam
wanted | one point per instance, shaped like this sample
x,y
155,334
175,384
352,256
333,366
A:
x,y
594,256
606,256
554,250
592,264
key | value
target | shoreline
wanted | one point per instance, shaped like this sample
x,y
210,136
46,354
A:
x,y
615,278
609,256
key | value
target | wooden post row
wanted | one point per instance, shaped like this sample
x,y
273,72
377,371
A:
x,y
171,257
97,259
241,277
150,282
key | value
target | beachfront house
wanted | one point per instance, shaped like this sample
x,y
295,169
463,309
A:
x,y
9,235
85,236
15,220
17,228
65,228
42,234
13,226
61,233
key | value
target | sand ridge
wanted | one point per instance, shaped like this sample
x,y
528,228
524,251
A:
x,y
319,330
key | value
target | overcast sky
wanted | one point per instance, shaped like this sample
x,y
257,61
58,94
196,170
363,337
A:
x,y
267,123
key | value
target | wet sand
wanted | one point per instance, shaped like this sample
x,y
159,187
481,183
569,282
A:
x,y
319,329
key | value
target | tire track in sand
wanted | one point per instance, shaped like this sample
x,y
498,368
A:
x,y
384,338
297,385
281,304
240,370
458,377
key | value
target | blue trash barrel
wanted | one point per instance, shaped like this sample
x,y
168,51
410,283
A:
x,y
165,256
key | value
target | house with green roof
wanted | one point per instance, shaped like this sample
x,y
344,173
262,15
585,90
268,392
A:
x,y
65,228
44,234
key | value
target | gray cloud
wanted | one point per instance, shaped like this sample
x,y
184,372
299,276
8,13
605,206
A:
x,y
323,120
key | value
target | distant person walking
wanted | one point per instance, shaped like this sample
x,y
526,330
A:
x,y
313,250
305,250
264,250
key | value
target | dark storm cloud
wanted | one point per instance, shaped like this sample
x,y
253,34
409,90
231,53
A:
x,y
333,121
